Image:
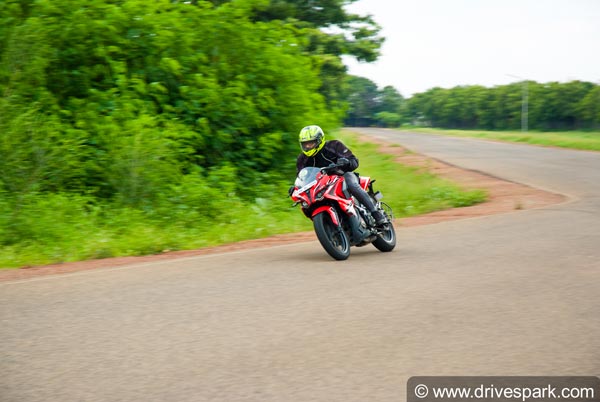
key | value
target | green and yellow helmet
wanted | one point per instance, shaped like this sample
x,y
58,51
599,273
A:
x,y
312,140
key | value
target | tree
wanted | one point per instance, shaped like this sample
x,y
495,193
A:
x,y
390,109
390,100
331,32
363,101
358,37
589,108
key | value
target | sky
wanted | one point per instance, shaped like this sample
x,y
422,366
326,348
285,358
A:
x,y
446,43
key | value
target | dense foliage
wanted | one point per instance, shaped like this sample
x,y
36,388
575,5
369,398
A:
x,y
332,32
368,105
550,106
177,88
171,108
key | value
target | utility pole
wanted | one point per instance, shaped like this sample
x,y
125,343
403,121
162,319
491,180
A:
x,y
524,102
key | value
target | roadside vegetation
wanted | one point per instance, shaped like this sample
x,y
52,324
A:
x,y
583,140
64,227
551,107
131,127
558,114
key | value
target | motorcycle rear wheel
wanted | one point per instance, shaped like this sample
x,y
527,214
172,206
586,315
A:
x,y
387,240
333,239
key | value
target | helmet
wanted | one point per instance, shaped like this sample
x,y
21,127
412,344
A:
x,y
312,140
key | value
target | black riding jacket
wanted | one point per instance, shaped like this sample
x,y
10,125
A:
x,y
331,152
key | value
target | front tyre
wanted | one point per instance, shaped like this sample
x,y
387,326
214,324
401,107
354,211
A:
x,y
386,241
333,239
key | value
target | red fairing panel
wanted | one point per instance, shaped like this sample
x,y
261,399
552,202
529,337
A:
x,y
364,182
328,209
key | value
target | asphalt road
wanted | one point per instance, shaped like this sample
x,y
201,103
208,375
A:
x,y
510,294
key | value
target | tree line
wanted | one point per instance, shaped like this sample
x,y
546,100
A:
x,y
549,106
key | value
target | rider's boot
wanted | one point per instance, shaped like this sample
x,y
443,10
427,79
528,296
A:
x,y
379,218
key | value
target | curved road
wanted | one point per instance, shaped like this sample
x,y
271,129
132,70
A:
x,y
510,294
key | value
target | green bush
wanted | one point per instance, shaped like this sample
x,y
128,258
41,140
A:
x,y
388,119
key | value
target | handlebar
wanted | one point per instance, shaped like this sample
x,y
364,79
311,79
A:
x,y
334,168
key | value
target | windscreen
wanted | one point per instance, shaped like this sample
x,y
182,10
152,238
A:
x,y
306,176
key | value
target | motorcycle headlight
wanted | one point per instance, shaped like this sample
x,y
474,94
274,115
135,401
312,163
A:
x,y
320,194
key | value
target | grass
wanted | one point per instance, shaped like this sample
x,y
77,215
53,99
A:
x,y
104,231
407,189
583,140
56,228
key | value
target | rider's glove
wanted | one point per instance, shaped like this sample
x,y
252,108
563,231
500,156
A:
x,y
291,191
343,162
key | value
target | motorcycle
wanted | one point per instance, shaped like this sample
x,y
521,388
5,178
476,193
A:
x,y
341,221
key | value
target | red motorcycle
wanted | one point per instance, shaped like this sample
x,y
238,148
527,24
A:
x,y
341,221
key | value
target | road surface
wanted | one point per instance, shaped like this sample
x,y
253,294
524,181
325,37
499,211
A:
x,y
509,294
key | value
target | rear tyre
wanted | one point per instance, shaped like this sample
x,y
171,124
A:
x,y
386,241
333,239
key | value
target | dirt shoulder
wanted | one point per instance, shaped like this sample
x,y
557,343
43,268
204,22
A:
x,y
503,196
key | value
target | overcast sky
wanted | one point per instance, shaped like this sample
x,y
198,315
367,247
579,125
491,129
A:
x,y
447,43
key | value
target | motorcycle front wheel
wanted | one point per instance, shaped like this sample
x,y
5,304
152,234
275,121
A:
x,y
333,239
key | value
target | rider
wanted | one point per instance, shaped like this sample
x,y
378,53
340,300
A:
x,y
320,153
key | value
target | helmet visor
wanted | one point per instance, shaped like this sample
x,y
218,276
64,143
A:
x,y
308,145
